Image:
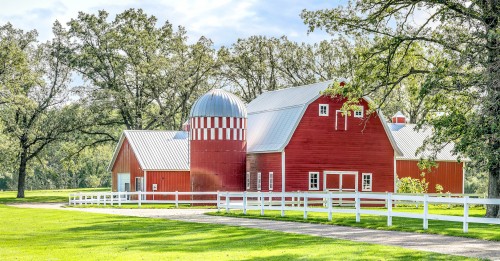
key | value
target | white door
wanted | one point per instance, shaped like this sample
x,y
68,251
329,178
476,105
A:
x,y
123,182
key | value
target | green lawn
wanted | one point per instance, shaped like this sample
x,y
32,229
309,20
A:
x,y
480,231
45,196
40,234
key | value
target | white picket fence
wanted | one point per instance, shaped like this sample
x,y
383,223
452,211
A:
x,y
306,202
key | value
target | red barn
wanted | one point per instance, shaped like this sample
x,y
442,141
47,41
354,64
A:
x,y
299,140
294,139
144,158
449,172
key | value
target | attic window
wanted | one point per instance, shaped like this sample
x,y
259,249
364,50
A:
x,y
323,110
359,112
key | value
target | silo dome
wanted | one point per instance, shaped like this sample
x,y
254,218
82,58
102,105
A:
x,y
219,103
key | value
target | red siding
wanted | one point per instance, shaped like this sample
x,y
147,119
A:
x,y
169,181
264,163
218,164
447,174
126,162
317,146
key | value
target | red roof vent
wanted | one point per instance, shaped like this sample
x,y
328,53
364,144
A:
x,y
399,118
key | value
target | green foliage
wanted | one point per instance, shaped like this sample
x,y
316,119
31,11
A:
x,y
454,55
148,74
439,188
109,237
410,185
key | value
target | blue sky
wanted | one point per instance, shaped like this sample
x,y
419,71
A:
x,y
223,21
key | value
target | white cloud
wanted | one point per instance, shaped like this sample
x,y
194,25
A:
x,y
223,21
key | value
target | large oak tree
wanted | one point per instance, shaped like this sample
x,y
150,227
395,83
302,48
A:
x,y
465,75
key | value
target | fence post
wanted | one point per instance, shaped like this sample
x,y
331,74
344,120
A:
x,y
262,203
244,203
283,204
426,211
218,201
176,199
227,202
389,209
104,198
466,214
357,202
139,198
329,206
386,206
112,198
119,199
449,196
293,201
305,204
69,200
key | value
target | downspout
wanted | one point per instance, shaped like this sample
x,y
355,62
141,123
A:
x,y
395,175
463,177
283,171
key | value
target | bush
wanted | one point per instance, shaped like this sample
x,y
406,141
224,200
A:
x,y
409,185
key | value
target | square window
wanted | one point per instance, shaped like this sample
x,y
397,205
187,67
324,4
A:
x,y
323,110
313,180
367,182
359,112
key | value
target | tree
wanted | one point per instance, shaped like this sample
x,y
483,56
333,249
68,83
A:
x,y
466,75
149,75
34,91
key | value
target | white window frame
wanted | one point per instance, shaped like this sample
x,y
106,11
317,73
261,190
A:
x,y
248,180
259,181
326,107
311,174
361,111
370,177
271,181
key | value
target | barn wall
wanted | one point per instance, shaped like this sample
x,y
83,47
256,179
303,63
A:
x,y
447,174
169,181
264,163
126,162
317,146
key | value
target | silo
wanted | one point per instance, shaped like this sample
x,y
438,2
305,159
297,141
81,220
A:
x,y
218,122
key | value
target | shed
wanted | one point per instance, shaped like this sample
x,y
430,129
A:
x,y
143,158
449,172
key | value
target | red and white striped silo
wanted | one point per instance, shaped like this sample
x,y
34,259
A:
x,y
218,123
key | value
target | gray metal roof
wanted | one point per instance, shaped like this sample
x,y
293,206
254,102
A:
x,y
219,103
274,116
157,150
409,140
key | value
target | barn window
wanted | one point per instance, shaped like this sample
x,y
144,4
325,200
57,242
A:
x,y
359,112
248,180
323,110
367,182
271,180
313,180
259,181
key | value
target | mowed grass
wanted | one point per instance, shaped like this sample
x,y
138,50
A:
x,y
479,231
44,196
42,234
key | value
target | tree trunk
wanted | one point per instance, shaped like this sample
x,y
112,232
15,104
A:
x,y
493,191
22,174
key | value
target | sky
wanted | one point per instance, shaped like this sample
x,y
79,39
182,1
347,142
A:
x,y
223,21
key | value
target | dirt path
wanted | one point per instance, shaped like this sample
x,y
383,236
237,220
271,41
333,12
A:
x,y
418,241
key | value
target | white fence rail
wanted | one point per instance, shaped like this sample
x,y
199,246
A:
x,y
306,202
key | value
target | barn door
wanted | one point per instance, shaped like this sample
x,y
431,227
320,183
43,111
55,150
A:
x,y
341,181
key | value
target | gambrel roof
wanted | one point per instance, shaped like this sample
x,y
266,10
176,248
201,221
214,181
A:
x,y
274,116
156,150
409,140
